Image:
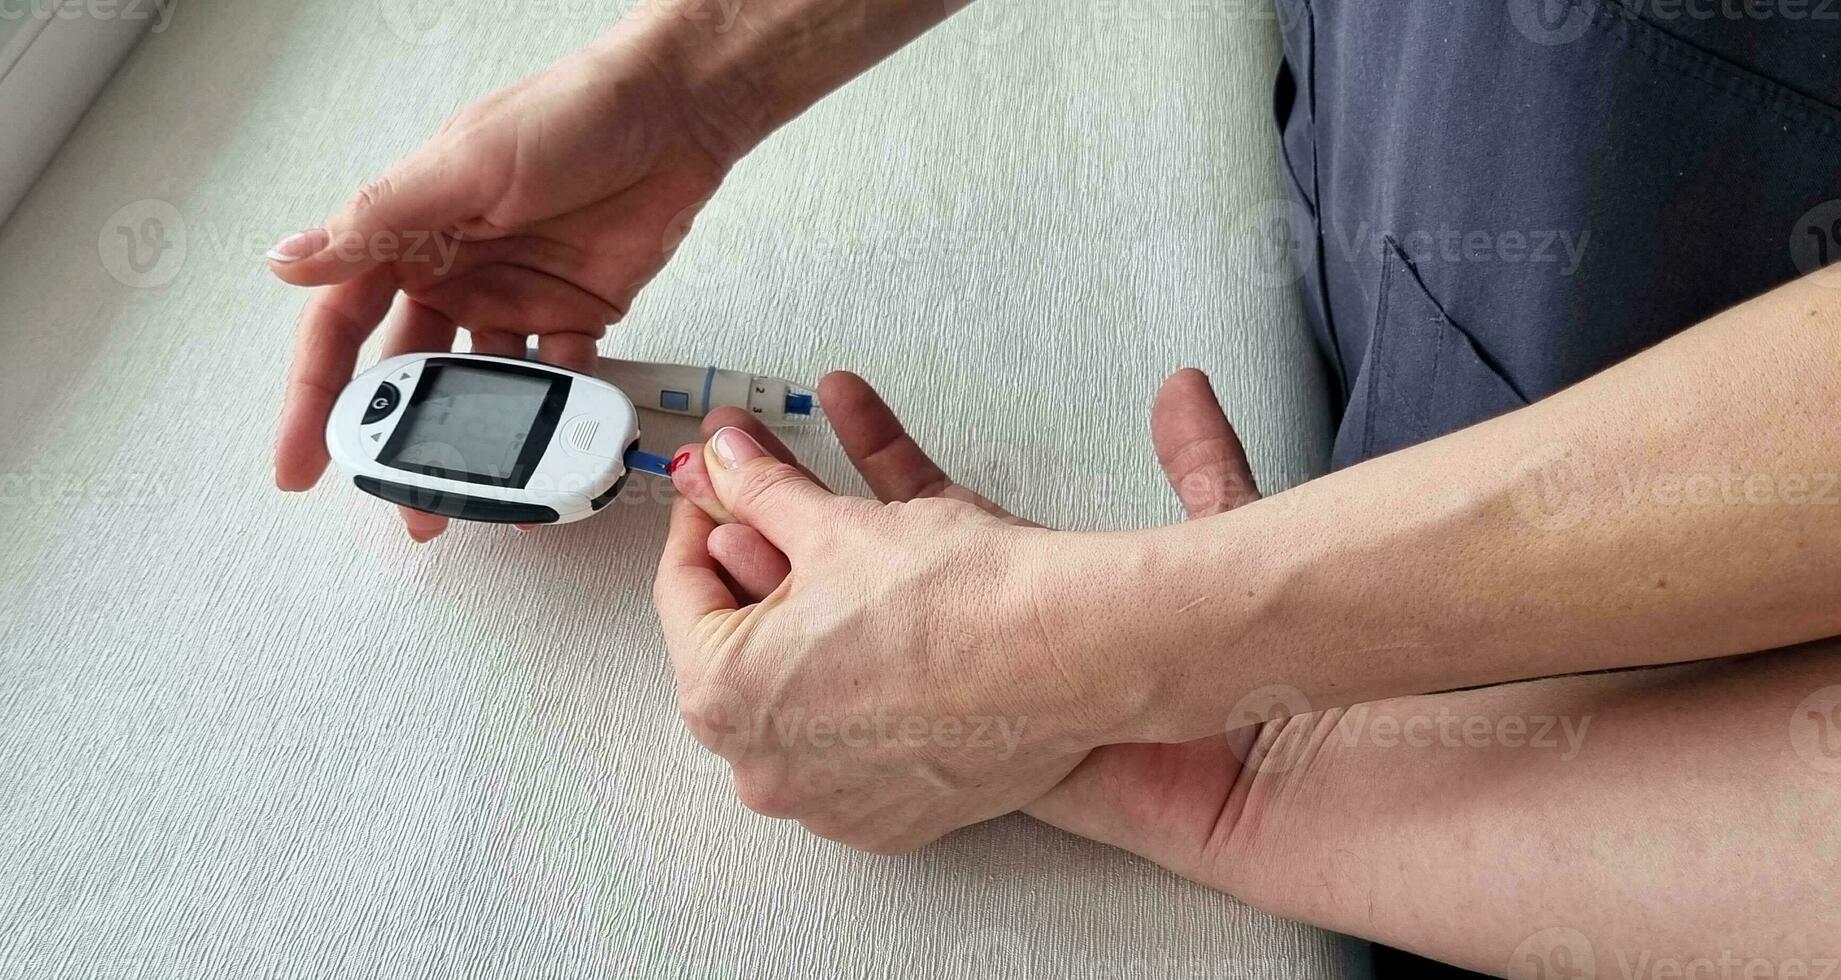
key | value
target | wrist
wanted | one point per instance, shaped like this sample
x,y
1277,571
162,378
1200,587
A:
x,y
719,102
1098,601
749,69
1179,619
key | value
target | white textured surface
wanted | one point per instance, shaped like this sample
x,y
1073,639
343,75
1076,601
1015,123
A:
x,y
248,735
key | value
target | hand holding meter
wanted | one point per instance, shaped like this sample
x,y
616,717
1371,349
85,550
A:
x,y
483,438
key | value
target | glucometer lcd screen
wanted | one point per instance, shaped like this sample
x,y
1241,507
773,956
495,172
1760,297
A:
x,y
477,424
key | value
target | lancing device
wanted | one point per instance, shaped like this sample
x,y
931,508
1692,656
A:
x,y
682,389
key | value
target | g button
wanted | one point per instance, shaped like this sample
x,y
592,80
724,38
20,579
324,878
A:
x,y
382,403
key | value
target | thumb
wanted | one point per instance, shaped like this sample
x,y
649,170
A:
x,y
759,490
1200,453
393,219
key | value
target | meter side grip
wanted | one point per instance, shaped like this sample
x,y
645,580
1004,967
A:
x,y
446,503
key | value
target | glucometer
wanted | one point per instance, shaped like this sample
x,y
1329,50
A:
x,y
483,438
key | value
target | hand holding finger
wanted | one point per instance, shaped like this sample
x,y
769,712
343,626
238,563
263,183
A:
x,y
689,587
752,563
755,566
730,417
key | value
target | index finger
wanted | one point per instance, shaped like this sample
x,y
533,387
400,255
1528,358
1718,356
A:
x,y
575,351
689,586
892,463
333,325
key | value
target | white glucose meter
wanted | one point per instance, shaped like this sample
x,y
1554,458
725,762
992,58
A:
x,y
483,438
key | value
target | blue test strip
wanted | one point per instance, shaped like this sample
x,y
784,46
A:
x,y
646,462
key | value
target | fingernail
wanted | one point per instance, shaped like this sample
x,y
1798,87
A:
x,y
735,447
300,245
677,463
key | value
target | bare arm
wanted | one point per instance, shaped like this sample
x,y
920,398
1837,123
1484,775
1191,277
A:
x,y
540,211
1681,506
1671,821
756,65
1644,824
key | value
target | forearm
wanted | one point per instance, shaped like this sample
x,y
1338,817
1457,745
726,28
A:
x,y
757,65
1677,814
1680,506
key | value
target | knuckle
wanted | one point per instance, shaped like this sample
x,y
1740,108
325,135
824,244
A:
x,y
765,795
373,195
933,511
715,720
458,122
767,486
